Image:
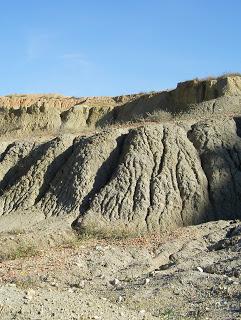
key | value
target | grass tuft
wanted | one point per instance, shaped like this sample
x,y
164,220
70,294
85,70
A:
x,y
222,76
22,250
26,283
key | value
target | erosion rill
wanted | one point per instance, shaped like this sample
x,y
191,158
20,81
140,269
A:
x,y
140,163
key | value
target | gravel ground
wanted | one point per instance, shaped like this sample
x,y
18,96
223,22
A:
x,y
192,273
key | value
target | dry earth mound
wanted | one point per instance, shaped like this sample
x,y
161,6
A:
x,y
151,178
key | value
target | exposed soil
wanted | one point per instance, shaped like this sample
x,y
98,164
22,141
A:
x,y
192,273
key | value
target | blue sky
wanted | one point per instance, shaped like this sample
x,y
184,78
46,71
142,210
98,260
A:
x,y
113,47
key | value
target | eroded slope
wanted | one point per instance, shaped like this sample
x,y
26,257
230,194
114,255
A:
x,y
150,178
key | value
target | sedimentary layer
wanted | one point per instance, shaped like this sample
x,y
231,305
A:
x,y
55,114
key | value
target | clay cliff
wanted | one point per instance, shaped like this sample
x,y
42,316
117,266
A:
x,y
56,114
139,163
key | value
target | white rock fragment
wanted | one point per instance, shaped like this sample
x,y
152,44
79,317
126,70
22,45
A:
x,y
82,284
99,248
120,299
29,294
199,269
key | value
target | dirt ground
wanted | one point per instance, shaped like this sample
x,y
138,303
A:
x,y
191,273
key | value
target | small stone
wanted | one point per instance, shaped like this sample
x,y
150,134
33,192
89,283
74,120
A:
x,y
199,269
29,294
210,269
142,311
99,248
12,285
82,284
236,273
119,288
147,280
53,284
120,299
115,282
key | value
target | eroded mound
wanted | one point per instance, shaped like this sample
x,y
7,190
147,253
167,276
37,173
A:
x,y
150,178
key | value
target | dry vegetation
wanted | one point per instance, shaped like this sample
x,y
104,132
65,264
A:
x,y
222,76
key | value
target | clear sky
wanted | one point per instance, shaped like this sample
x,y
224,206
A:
x,y
104,47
